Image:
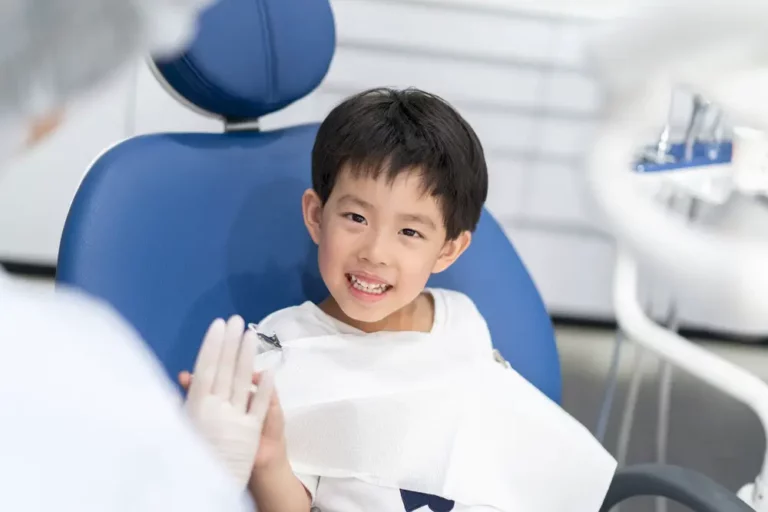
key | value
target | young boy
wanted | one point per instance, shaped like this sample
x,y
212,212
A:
x,y
399,180
398,184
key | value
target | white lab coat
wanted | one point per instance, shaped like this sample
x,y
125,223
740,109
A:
x,y
88,420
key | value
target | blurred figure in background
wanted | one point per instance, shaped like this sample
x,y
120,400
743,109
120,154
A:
x,y
88,420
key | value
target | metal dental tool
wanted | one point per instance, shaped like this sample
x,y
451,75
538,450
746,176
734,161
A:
x,y
693,131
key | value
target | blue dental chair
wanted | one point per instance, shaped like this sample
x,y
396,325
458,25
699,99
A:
x,y
176,229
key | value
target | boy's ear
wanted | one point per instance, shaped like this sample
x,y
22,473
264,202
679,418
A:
x,y
451,251
312,207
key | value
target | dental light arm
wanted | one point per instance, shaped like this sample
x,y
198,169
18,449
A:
x,y
718,51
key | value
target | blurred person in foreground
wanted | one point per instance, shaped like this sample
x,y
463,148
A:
x,y
88,419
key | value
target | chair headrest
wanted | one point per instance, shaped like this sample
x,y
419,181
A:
x,y
254,57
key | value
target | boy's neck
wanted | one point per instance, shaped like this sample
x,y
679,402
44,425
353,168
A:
x,y
417,316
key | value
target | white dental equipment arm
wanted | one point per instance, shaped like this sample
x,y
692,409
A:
x,y
719,52
721,374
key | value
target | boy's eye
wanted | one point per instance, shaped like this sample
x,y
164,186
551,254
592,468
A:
x,y
354,217
411,233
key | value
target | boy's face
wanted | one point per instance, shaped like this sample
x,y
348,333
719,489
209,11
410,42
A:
x,y
379,242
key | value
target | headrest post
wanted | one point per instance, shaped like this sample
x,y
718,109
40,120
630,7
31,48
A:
x,y
250,125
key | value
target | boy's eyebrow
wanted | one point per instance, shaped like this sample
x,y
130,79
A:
x,y
421,219
350,198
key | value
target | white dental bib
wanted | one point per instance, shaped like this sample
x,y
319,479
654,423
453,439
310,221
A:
x,y
413,411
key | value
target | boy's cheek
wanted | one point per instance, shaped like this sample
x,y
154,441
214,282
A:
x,y
329,266
337,244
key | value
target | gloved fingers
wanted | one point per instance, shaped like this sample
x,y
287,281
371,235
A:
x,y
185,379
263,397
228,360
207,361
272,425
241,386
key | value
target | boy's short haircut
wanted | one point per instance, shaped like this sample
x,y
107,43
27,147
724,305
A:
x,y
392,131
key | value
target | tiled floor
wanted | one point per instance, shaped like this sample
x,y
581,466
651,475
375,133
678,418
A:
x,y
708,431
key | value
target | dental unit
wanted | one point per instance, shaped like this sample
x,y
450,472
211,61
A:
x,y
721,162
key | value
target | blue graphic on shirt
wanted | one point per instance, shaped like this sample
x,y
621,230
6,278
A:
x,y
415,500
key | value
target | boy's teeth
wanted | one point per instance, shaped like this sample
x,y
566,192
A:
x,y
367,287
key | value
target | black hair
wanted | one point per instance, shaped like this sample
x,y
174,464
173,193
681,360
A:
x,y
392,131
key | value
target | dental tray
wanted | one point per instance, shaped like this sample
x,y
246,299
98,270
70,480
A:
x,y
704,154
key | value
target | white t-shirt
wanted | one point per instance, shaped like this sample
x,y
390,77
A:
x,y
89,421
454,312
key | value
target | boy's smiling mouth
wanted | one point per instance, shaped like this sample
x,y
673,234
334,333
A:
x,y
370,288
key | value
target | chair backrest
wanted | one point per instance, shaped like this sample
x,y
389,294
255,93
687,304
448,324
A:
x,y
176,229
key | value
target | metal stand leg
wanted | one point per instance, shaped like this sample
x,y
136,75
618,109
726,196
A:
x,y
665,403
662,426
611,384
630,404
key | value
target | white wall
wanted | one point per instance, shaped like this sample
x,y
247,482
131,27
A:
x,y
516,73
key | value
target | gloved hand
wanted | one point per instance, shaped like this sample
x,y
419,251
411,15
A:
x,y
220,401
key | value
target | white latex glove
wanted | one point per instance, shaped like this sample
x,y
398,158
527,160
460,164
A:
x,y
220,401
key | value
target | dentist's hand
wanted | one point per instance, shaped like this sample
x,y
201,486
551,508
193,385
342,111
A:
x,y
244,428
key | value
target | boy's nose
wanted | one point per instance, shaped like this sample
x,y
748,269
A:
x,y
375,250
